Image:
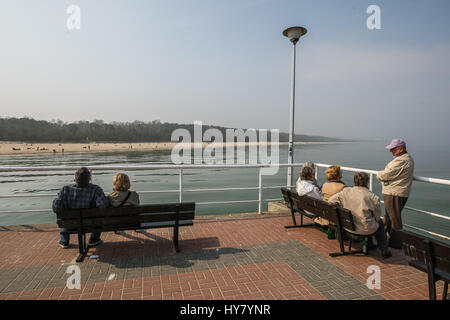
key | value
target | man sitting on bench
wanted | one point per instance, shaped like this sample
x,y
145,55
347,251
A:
x,y
81,195
365,208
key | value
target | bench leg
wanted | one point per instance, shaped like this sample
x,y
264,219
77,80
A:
x,y
345,253
301,225
444,294
430,270
175,239
83,248
340,235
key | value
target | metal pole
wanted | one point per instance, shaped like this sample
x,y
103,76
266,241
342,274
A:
x,y
260,192
290,181
371,182
181,185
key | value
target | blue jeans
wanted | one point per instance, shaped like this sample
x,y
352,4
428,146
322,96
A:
x,y
65,237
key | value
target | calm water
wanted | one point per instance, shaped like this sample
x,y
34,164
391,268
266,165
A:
x,y
429,162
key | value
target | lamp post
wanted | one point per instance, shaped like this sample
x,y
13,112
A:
x,y
294,34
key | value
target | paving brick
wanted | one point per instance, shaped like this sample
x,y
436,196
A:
x,y
255,258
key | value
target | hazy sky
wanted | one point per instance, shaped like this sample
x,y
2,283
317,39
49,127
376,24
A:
x,y
227,63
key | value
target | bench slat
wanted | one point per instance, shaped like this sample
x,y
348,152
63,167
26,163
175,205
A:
x,y
125,211
324,209
414,246
108,221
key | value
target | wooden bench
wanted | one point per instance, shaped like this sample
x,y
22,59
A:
x,y
288,196
340,217
430,256
82,221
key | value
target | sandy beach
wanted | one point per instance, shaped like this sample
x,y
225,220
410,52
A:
x,y
10,148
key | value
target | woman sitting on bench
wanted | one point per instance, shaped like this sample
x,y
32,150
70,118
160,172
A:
x,y
122,196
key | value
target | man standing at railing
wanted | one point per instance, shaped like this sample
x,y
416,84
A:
x,y
396,180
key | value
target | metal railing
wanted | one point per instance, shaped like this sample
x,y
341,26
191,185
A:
x,y
181,189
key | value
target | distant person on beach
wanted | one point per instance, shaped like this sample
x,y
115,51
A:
x,y
396,179
82,194
331,187
366,210
122,196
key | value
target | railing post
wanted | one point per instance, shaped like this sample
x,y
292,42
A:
x,y
371,182
260,191
181,185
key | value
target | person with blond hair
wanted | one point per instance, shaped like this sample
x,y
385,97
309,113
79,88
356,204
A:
x,y
121,195
334,183
329,188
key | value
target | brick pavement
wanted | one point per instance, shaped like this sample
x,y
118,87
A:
x,y
247,258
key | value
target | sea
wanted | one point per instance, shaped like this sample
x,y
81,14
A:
x,y
429,162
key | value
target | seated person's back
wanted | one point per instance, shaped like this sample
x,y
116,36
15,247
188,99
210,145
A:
x,y
365,208
81,195
122,196
364,205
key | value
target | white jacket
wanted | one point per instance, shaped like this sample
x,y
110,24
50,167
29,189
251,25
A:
x,y
306,187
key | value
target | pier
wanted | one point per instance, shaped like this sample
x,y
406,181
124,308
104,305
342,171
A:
x,y
242,257
229,256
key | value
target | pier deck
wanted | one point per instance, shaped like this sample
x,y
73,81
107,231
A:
x,y
239,257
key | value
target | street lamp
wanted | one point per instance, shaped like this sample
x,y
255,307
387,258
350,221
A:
x,y
294,34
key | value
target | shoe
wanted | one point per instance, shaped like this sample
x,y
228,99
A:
x,y
93,243
63,245
386,254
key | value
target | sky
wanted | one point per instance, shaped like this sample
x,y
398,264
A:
x,y
227,63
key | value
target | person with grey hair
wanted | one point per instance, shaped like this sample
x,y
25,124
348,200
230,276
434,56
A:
x,y
366,210
312,166
306,184
396,179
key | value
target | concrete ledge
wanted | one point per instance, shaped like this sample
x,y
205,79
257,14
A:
x,y
278,207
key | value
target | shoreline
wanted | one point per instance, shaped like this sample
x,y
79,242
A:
x,y
24,148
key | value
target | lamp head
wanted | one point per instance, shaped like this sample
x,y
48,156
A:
x,y
294,33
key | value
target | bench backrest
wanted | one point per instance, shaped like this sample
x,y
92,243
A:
x,y
320,208
123,217
416,246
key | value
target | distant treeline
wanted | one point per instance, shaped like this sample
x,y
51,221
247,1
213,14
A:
x,y
30,130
